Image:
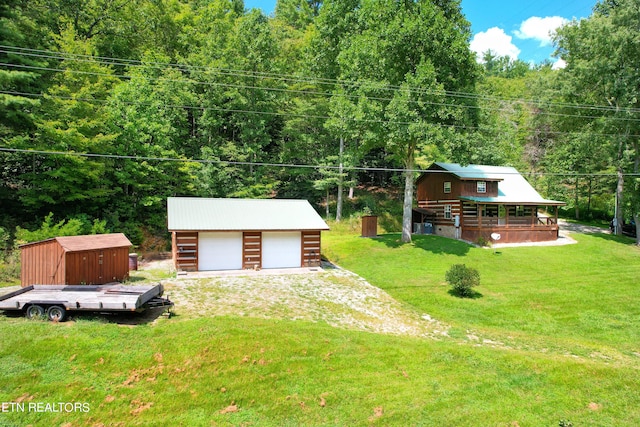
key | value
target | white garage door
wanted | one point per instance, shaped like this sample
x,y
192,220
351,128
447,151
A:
x,y
219,251
281,249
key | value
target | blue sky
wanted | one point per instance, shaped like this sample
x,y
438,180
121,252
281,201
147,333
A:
x,y
507,27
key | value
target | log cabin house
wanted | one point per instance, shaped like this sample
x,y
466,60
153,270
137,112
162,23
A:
x,y
477,202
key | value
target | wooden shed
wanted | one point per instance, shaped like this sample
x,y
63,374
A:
x,y
76,260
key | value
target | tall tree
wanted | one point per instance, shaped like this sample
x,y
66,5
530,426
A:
x,y
603,55
411,53
21,75
73,120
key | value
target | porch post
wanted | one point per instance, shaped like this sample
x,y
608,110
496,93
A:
x,y
479,216
534,216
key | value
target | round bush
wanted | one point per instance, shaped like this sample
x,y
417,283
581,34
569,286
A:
x,y
462,279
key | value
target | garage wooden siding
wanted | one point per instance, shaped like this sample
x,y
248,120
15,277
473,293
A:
x,y
311,248
252,250
185,250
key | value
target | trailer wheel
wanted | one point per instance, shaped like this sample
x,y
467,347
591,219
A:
x,y
56,313
34,312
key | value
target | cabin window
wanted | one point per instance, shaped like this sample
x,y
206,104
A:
x,y
447,211
482,186
447,186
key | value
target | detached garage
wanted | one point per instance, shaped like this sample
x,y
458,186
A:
x,y
234,234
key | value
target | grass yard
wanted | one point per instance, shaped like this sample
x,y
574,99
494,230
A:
x,y
579,299
554,335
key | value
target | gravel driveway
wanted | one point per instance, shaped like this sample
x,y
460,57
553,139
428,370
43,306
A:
x,y
332,295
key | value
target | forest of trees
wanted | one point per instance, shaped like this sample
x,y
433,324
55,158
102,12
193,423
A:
x,y
107,107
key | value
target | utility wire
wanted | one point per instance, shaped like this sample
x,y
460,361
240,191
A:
x,y
283,77
287,165
288,114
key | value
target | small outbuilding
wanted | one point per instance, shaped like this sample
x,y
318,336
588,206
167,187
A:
x,y
76,260
234,234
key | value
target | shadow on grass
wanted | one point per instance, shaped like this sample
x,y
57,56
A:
x,y
627,240
471,295
120,318
429,243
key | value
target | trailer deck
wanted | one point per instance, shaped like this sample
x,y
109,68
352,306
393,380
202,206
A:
x,y
56,300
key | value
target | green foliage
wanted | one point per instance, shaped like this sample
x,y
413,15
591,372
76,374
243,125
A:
x,y
4,239
462,279
71,227
9,267
213,81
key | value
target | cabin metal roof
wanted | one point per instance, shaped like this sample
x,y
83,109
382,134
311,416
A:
x,y
212,214
513,188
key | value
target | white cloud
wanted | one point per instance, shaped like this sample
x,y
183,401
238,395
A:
x,y
496,41
559,64
541,29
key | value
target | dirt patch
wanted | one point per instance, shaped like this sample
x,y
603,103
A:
x,y
335,296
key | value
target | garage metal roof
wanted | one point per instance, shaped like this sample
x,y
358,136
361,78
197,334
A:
x,y
195,213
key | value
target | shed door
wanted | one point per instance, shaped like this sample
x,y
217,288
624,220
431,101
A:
x,y
281,249
219,251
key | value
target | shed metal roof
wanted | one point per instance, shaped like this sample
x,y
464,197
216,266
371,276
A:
x,y
89,242
193,213
513,188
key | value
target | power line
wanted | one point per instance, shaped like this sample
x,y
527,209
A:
x,y
286,165
285,77
289,114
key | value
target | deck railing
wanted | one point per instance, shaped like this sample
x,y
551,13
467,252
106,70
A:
x,y
515,222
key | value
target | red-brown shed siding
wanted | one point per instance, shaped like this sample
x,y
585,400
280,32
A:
x,y
76,261
97,267
42,263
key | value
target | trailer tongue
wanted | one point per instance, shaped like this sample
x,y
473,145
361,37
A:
x,y
55,301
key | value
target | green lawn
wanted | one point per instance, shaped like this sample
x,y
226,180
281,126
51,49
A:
x,y
553,336
576,299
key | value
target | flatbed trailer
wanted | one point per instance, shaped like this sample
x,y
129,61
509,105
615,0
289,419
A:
x,y
55,301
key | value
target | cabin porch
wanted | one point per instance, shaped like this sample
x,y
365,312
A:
x,y
512,223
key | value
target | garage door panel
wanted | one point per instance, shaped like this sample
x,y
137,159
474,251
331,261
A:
x,y
219,251
281,249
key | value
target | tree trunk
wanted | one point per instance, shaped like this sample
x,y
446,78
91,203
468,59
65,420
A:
x,y
636,196
407,208
589,193
619,208
577,198
340,168
327,208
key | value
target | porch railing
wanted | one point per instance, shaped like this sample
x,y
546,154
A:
x,y
525,222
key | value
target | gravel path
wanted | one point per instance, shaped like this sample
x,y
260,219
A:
x,y
332,295
572,227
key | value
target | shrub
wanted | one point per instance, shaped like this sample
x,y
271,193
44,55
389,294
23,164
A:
x,y
462,279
